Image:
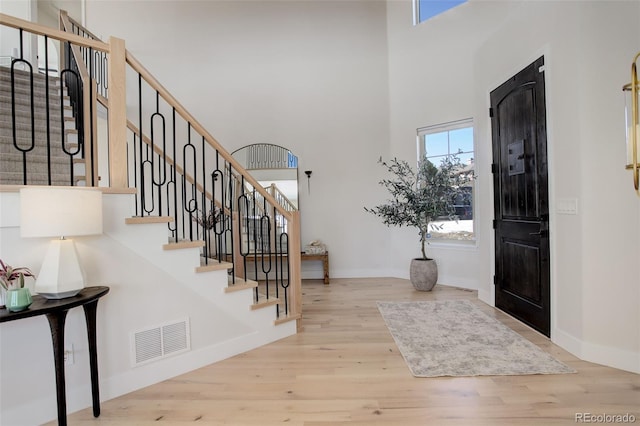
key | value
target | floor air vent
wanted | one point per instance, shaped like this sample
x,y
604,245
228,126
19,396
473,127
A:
x,y
159,342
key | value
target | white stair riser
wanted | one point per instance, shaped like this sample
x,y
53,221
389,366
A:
x,y
147,240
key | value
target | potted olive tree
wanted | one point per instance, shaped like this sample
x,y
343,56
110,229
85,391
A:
x,y
418,198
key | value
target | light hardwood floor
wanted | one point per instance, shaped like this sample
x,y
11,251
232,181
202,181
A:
x,y
345,369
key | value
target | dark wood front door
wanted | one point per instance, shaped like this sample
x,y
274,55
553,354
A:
x,y
521,207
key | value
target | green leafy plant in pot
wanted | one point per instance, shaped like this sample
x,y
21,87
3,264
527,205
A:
x,y
12,279
418,198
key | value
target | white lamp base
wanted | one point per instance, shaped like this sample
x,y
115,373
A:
x,y
60,276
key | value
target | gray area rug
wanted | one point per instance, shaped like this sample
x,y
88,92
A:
x,y
455,338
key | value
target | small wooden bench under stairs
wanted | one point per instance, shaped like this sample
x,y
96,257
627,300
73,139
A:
x,y
322,257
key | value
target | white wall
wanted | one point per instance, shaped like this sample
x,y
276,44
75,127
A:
x,y
342,83
48,15
610,229
322,79
588,47
431,80
10,37
307,75
595,282
142,295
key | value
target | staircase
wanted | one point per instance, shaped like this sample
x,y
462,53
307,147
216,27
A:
x,y
148,238
157,256
39,141
179,173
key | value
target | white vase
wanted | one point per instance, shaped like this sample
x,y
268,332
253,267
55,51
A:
x,y
3,297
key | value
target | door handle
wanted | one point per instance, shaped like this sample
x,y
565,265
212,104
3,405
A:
x,y
542,233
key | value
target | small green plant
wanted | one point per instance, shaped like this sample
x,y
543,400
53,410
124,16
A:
x,y
419,197
9,275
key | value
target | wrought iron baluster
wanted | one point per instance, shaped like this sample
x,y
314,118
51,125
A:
x,y
161,157
243,216
284,282
105,67
140,143
217,181
31,146
147,163
231,199
254,222
276,260
266,268
98,70
73,84
205,231
135,170
46,107
191,205
172,183
80,123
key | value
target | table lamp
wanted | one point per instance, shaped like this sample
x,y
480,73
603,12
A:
x,y
60,212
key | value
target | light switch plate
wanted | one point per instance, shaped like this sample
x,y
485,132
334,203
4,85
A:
x,y
567,206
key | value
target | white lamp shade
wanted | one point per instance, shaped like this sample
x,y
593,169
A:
x,y
60,211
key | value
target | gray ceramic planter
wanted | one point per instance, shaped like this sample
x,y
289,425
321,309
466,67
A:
x,y
423,274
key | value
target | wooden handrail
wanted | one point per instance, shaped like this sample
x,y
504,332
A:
x,y
173,102
79,25
66,26
18,23
277,193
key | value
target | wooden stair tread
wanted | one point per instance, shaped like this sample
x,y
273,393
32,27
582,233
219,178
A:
x,y
283,319
214,265
183,245
263,303
240,285
148,219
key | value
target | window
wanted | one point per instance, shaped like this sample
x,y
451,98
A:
x,y
442,141
425,9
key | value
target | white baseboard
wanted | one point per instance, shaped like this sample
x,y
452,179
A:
x,y
487,297
149,374
599,354
78,398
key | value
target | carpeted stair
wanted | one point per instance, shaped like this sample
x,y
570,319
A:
x,y
11,159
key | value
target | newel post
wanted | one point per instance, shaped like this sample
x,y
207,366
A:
x,y
295,262
117,114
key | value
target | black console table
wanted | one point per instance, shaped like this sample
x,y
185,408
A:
x,y
56,312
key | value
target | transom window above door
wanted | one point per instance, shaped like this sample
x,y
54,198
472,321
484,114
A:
x,y
426,9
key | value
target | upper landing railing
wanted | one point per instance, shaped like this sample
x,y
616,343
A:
x,y
152,143
50,110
